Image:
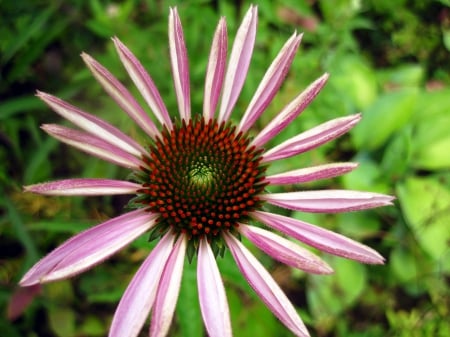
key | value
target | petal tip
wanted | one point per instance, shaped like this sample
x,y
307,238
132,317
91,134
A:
x,y
27,281
88,59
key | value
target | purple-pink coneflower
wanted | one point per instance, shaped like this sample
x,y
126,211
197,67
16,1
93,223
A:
x,y
198,183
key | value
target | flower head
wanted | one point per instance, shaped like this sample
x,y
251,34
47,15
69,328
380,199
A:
x,y
198,183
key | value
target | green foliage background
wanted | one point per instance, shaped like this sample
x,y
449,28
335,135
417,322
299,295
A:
x,y
387,59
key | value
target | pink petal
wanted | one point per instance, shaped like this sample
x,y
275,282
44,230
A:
x,y
89,247
21,298
180,67
213,300
328,201
168,290
290,112
121,95
312,138
308,174
266,287
270,83
320,238
84,187
143,82
139,297
241,54
92,124
93,145
285,251
216,70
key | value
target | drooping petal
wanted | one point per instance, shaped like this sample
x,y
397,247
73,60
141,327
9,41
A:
x,y
312,138
320,238
89,247
285,251
143,82
213,301
180,67
290,112
121,95
308,174
328,201
270,83
239,62
92,124
20,299
168,290
93,145
139,297
84,186
266,287
216,70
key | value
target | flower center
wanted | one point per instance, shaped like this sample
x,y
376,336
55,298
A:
x,y
202,175
202,178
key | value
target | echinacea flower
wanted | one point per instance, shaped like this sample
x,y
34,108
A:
x,y
199,182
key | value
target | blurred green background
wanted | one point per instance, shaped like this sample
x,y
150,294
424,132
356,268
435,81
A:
x,y
387,59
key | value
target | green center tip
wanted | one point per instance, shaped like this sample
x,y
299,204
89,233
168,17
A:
x,y
201,176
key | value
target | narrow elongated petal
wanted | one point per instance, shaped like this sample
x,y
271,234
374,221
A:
x,y
270,83
86,250
93,145
308,174
290,112
121,95
168,290
139,297
241,54
92,124
213,301
266,287
328,201
320,238
83,186
285,251
143,82
216,70
312,138
180,67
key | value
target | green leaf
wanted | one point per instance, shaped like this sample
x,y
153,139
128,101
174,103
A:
x,y
396,157
355,79
358,225
368,176
431,142
431,139
39,163
243,312
431,104
17,105
381,120
62,321
34,29
351,279
404,265
188,308
93,326
405,75
329,295
60,291
434,156
426,206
